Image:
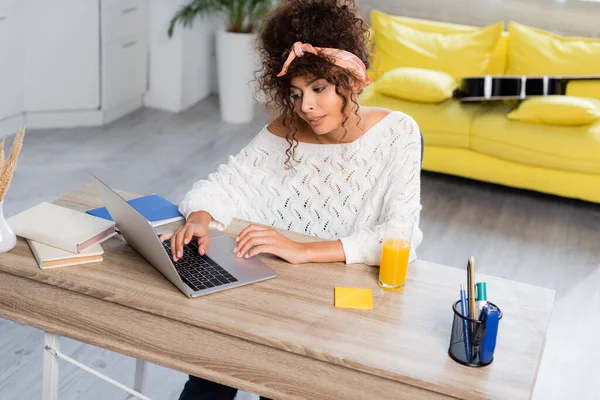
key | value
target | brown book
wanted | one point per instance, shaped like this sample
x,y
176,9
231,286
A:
x,y
52,257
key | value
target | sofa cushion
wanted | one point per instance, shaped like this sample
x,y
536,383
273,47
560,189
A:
x,y
589,89
567,148
533,51
497,64
416,84
557,110
442,124
458,53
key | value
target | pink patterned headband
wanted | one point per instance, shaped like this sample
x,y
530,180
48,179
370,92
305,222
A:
x,y
341,58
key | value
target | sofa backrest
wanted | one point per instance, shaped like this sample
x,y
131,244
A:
x,y
500,56
497,64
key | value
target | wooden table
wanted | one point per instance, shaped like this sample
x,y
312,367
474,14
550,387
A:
x,y
282,338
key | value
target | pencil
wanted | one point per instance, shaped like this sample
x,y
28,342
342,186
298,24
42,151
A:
x,y
472,303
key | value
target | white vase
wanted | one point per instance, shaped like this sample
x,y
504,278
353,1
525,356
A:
x,y
236,63
8,239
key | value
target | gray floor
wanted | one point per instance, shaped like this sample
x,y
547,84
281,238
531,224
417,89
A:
x,y
537,239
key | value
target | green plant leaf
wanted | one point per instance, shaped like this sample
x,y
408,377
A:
x,y
240,15
188,13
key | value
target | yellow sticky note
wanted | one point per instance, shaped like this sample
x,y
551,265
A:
x,y
353,298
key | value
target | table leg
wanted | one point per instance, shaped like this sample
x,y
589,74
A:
x,y
140,375
50,373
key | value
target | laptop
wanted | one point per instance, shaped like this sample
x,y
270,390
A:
x,y
194,275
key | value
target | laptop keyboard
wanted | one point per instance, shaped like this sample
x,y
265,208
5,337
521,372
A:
x,y
199,272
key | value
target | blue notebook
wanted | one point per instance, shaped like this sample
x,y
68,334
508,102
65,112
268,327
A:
x,y
158,210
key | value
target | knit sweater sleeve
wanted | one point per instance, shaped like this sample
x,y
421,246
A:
x,y
223,193
402,202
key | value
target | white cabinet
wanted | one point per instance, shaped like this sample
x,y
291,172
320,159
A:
x,y
11,62
124,51
62,55
124,70
71,62
123,18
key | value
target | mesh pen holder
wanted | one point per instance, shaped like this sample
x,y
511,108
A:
x,y
458,349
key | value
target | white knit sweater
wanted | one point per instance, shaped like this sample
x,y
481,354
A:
x,y
335,191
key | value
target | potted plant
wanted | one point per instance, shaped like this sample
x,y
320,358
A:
x,y
236,58
8,239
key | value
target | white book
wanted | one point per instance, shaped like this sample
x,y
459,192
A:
x,y
52,257
61,227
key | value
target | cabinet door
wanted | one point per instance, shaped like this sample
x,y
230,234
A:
x,y
124,65
122,19
62,55
11,62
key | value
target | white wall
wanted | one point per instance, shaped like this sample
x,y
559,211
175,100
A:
x,y
218,23
181,71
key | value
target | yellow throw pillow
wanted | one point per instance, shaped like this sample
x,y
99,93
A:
x,y
584,89
533,51
557,110
460,54
416,84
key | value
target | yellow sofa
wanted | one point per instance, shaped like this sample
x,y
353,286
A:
x,y
478,141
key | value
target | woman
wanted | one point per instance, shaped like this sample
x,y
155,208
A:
x,y
325,166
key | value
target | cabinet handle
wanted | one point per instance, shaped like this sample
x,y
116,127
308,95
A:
x,y
129,44
129,10
2,18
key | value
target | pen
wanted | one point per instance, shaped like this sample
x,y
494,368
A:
x,y
463,310
471,293
481,295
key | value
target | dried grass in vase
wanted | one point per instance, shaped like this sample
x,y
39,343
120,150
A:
x,y
7,167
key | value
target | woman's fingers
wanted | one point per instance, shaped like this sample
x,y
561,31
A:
x,y
166,236
264,248
251,228
244,237
250,231
254,239
183,236
187,236
203,245
177,242
174,244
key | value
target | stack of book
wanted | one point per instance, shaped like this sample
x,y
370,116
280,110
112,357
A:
x,y
59,236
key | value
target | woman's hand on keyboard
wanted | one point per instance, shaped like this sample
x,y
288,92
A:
x,y
184,235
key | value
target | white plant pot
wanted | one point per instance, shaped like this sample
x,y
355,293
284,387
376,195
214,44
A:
x,y
236,63
8,239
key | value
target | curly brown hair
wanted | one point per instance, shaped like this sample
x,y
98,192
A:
x,y
322,23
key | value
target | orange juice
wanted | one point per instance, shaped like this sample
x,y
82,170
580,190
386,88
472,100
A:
x,y
394,262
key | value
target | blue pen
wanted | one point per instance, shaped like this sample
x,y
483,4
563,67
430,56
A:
x,y
463,310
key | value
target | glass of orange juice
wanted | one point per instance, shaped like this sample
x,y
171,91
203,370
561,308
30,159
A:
x,y
395,252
